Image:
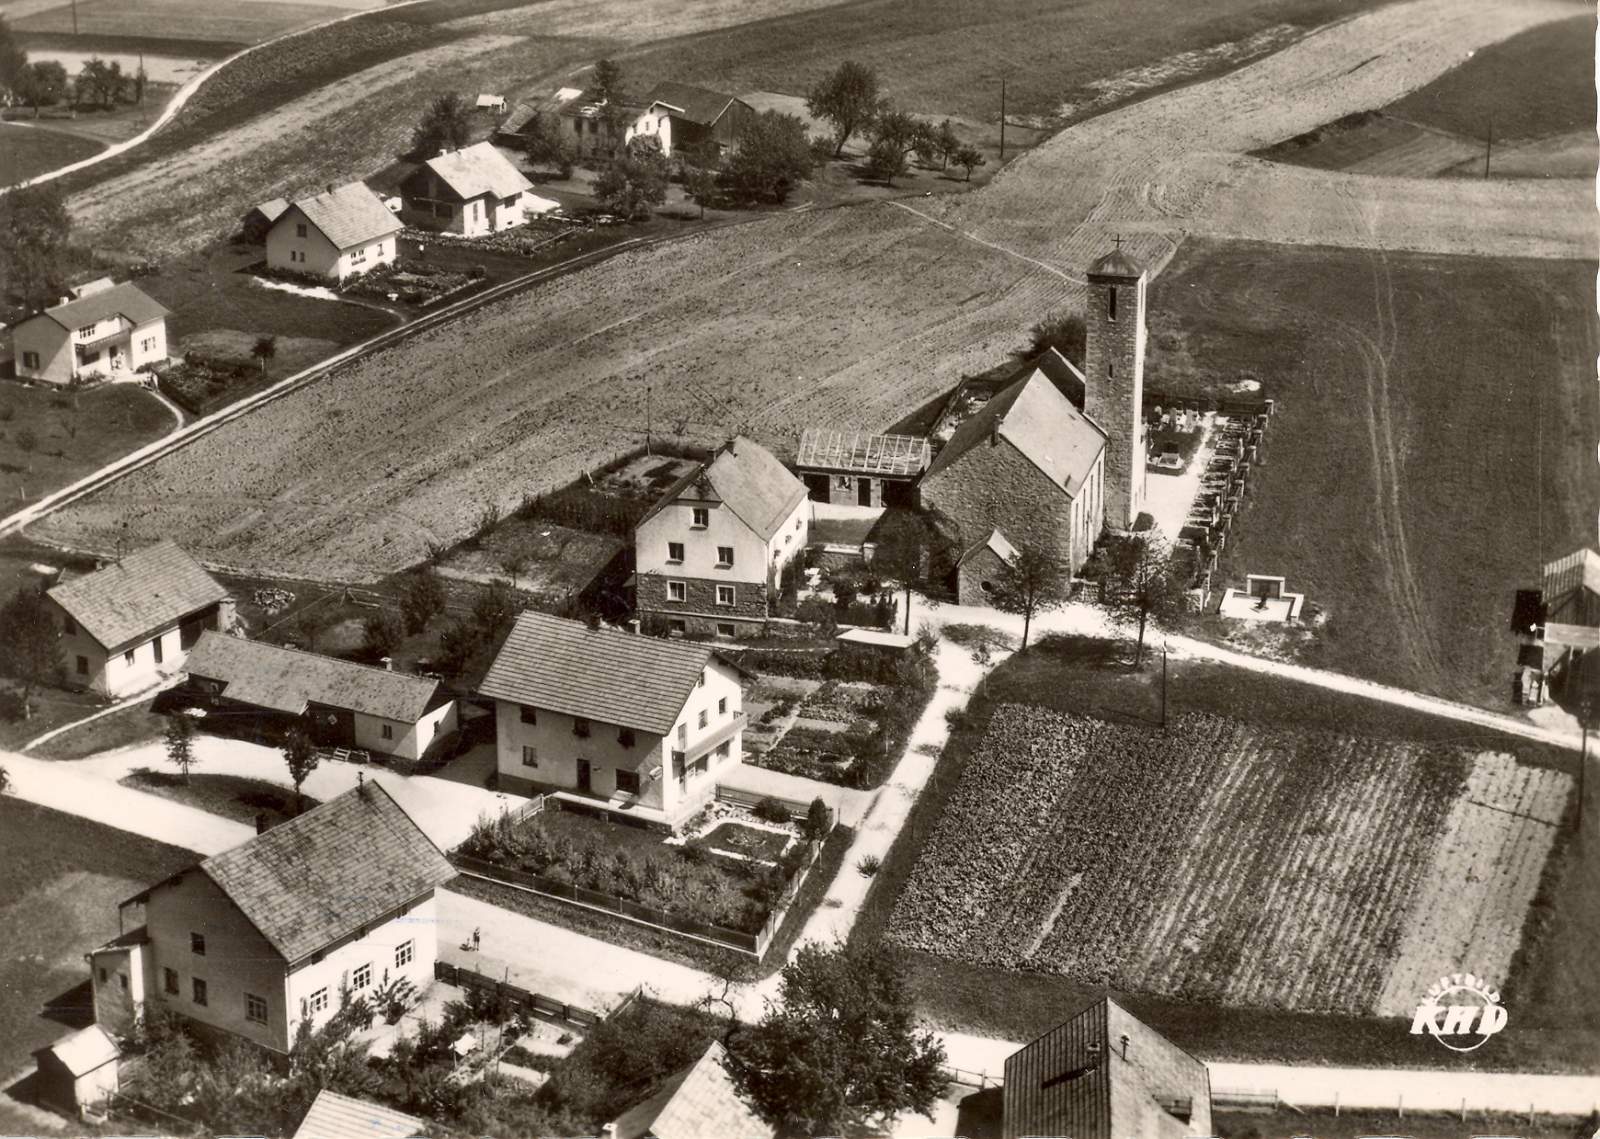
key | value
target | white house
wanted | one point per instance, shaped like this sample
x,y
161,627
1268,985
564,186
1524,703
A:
x,y
347,704
344,231
108,332
130,624
635,724
681,115
710,553
472,191
257,939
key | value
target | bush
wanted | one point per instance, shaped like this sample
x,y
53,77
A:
x,y
818,821
12,706
869,865
771,810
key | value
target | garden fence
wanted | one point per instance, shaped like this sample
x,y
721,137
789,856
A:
x,y
525,1001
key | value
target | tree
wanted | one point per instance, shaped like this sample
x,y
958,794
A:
x,y
635,180
841,1053
34,227
457,646
99,83
421,598
300,753
27,442
43,84
612,96
1141,581
895,135
903,543
848,99
515,564
547,145
494,610
773,157
264,349
700,185
180,743
445,125
1064,332
885,161
5,781
946,143
307,624
383,631
971,158
13,60
1036,579
30,643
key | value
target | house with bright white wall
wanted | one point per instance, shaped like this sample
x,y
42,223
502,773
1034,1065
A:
x,y
102,332
258,939
130,624
343,231
472,191
632,724
344,704
711,552
680,115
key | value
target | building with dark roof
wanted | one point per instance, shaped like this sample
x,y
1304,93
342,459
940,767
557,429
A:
x,y
696,1103
343,231
632,724
130,624
1105,1074
1028,464
710,554
346,704
472,191
101,333
258,219
257,939
682,116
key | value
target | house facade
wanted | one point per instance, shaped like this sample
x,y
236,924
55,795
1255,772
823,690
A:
x,y
101,334
345,231
473,191
710,554
346,704
593,128
982,571
1028,464
620,721
129,625
258,939
681,116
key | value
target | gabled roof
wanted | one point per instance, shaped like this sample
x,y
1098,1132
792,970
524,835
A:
x,y
334,1116
273,208
348,215
478,169
749,480
597,674
125,300
997,543
521,115
322,876
145,591
1578,570
696,104
85,1050
862,452
699,1102
1064,374
1035,418
286,680
1116,264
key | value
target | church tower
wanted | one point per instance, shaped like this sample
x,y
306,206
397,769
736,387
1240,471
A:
x,y
1113,368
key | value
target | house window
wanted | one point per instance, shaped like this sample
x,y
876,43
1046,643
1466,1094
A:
x,y
530,756
625,737
30,359
577,126
122,979
127,658
197,944
300,229
674,551
722,706
255,1009
628,782
683,734
318,1002
724,595
528,715
379,248
388,731
156,645
677,591
724,557
169,981
678,625
362,977
580,727
199,991
403,954
83,666
700,681
148,344
102,976
724,749
726,629
704,715
700,517
69,626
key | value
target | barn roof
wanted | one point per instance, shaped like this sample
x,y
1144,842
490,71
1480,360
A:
x,y
1041,423
698,1102
287,680
125,300
521,115
136,595
349,215
696,104
335,1116
746,478
861,452
85,1050
476,170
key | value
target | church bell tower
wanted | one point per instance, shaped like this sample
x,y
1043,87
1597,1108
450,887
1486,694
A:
x,y
1114,328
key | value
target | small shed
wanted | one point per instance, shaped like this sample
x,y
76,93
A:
x,y
495,103
78,1071
259,218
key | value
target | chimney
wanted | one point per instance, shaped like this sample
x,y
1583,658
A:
x,y
330,187
261,822
1124,1045
994,432
633,625
387,662
443,150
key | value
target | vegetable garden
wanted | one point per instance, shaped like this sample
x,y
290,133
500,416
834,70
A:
x,y
1231,863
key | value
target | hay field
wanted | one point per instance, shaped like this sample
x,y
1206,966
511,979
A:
x,y
238,21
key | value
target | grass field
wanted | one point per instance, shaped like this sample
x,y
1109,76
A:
x,y
71,434
179,19
64,878
27,150
131,725
231,796
1426,406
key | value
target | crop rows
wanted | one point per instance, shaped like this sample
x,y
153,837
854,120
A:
x,y
1226,862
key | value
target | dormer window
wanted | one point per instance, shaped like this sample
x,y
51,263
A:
x,y
700,517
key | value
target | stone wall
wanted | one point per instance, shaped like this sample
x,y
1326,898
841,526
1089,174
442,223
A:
x,y
994,486
699,610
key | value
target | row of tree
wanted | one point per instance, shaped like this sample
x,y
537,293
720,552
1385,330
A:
x,y
852,100
45,83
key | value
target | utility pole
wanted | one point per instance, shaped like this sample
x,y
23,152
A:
x,y
74,17
1488,147
647,423
1002,119
1163,686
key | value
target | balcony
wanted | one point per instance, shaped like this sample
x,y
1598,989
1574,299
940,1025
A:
x,y
716,738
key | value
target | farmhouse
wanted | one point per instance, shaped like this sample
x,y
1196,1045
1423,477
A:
x,y
856,468
1028,464
696,1103
335,1116
632,724
471,192
346,704
1105,1074
1569,628
103,331
344,231
709,554
595,129
681,116
128,625
257,939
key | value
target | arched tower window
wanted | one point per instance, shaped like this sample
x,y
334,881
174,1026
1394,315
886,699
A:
x,y
1111,303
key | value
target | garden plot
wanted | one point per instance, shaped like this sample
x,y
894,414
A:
x,y
1226,862
828,730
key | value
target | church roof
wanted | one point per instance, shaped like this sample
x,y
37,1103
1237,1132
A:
x,y
1035,418
1116,264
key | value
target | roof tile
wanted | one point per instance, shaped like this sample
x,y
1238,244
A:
x,y
285,680
139,594
349,215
